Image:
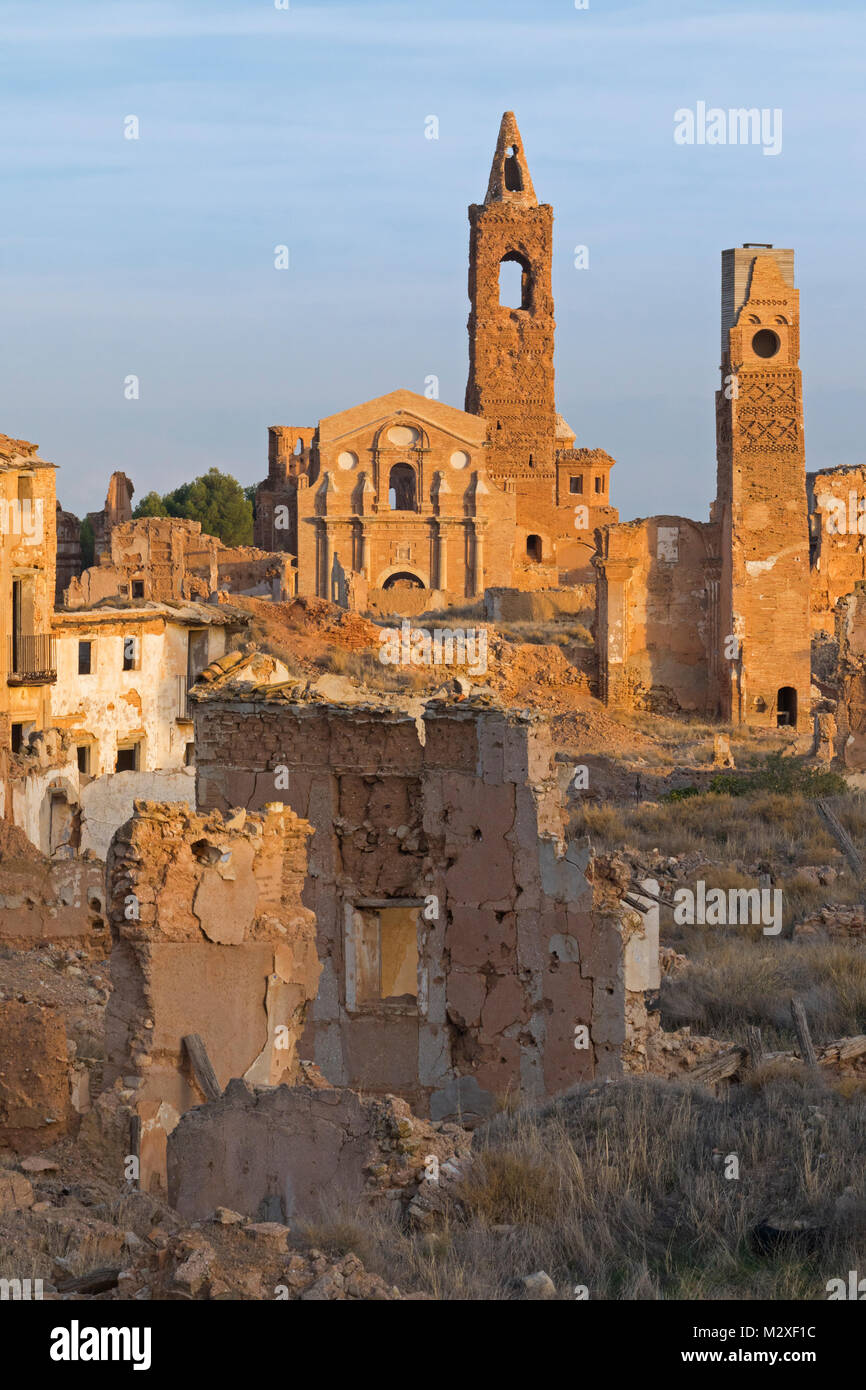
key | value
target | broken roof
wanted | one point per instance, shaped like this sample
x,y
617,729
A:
x,y
20,453
185,612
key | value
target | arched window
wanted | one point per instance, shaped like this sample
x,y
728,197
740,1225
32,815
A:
x,y
533,549
401,488
513,176
515,281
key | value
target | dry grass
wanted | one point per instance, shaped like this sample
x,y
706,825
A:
x,y
365,667
782,828
621,1188
733,981
557,632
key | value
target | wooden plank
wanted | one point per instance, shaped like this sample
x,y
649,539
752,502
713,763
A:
x,y
719,1068
755,1045
804,1037
843,1050
97,1281
841,836
637,887
202,1068
643,908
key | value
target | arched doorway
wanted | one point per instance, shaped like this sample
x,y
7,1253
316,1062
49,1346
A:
x,y
786,707
402,496
533,549
403,579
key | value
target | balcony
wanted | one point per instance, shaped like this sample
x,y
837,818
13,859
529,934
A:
x,y
32,659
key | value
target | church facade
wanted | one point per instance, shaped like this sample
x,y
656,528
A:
x,y
407,493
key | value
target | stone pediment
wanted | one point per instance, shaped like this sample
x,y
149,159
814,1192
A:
x,y
468,429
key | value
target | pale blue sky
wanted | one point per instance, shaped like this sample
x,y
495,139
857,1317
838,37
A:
x,y
306,127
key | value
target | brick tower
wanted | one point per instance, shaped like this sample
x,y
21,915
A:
x,y
511,349
763,611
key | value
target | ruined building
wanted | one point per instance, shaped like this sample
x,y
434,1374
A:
x,y
464,951
403,492
210,938
27,558
170,559
117,509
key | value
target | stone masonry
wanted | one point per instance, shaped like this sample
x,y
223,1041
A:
x,y
209,937
465,953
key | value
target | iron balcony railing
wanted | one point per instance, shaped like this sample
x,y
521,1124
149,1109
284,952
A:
x,y
32,659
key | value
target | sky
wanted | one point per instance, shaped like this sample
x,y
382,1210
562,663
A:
x,y
305,127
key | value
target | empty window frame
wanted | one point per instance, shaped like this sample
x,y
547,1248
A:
x,y
128,757
382,956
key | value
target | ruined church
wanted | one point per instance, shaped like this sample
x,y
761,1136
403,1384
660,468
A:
x,y
405,504
407,493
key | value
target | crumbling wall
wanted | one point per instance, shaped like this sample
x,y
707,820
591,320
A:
x,y
170,559
242,569
43,788
68,551
656,614
447,833
519,606
837,526
35,1107
145,559
210,938
107,802
303,1152
116,511
845,736
50,900
28,553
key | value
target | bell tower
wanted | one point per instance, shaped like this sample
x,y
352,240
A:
x,y
511,344
761,506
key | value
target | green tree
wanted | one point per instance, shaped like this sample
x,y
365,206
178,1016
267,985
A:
x,y
217,500
151,505
88,543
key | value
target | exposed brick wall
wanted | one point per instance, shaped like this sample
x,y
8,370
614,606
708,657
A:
x,y
837,524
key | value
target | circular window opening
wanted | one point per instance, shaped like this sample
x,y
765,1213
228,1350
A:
x,y
403,435
347,459
766,343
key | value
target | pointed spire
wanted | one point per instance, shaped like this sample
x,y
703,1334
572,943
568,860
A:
x,y
509,176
